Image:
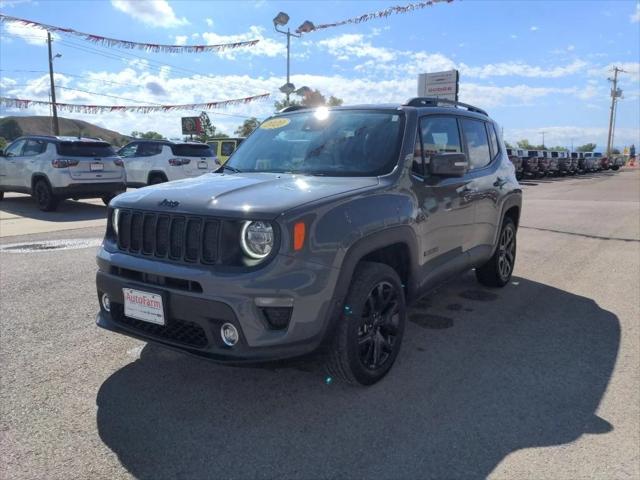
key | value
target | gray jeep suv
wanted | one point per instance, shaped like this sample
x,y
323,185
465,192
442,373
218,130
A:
x,y
314,236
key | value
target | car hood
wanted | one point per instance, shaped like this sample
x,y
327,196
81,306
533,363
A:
x,y
244,195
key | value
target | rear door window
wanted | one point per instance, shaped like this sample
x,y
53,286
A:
x,y
34,147
477,143
85,149
149,149
214,146
191,150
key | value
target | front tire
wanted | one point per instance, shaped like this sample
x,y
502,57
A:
x,y
498,270
110,196
45,199
369,334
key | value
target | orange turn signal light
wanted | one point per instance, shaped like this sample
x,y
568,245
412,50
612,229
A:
x,y
299,232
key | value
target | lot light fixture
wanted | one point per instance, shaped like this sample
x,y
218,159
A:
x,y
281,20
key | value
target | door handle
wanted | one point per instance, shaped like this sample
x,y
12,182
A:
x,y
500,182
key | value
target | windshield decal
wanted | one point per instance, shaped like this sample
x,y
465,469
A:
x,y
275,123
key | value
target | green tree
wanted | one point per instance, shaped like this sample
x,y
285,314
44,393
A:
x,y
587,147
310,98
558,148
150,135
3,143
524,143
507,144
248,126
10,129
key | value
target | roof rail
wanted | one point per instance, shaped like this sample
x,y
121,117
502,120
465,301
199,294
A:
x,y
434,102
293,108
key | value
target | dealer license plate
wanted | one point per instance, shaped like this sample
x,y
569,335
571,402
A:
x,y
143,306
97,167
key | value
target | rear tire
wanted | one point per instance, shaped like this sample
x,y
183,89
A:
x,y
497,271
369,333
45,199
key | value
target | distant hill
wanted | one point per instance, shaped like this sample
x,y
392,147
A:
x,y
13,127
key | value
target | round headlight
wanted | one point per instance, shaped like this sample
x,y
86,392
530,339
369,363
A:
x,y
256,239
115,220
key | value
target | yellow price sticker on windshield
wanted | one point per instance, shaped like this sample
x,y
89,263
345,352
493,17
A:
x,y
275,123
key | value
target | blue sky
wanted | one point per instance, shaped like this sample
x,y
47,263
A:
x,y
535,65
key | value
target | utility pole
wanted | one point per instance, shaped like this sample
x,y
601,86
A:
x,y
543,132
614,99
56,127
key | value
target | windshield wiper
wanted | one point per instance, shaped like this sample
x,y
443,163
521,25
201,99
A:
x,y
228,167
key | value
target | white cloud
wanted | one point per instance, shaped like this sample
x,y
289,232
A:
x,y
571,48
514,36
181,39
351,45
534,28
635,17
156,13
521,70
30,34
209,22
265,47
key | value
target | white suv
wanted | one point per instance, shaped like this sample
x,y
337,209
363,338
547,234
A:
x,y
55,168
155,161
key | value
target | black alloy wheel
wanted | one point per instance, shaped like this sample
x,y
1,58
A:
x,y
378,332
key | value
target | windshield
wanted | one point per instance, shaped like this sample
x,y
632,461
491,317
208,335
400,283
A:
x,y
324,142
85,149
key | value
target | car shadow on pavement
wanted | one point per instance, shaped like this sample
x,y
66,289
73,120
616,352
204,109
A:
x,y
67,211
483,373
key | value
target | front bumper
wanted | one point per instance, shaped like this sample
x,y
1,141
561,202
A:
x,y
90,190
194,316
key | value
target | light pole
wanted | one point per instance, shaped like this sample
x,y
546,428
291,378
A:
x,y
543,132
281,20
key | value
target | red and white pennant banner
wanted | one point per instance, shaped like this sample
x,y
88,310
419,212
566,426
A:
x,y
308,27
76,108
114,42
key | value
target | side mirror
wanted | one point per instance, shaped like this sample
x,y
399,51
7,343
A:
x,y
449,164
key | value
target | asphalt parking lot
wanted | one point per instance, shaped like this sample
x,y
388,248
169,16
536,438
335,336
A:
x,y
539,380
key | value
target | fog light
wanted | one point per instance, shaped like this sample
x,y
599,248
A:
x,y
229,334
106,303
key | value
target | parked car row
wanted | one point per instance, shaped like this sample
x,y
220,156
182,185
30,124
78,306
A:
x,y
52,169
541,163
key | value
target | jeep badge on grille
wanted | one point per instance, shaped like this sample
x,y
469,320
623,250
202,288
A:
x,y
169,203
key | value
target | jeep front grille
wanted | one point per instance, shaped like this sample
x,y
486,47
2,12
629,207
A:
x,y
175,237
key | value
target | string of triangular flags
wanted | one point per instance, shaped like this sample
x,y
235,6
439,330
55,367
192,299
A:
x,y
76,108
114,42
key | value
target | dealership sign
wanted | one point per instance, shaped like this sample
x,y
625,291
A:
x,y
439,84
191,125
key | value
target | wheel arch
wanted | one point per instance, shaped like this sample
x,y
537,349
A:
x,y
396,247
159,173
39,176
